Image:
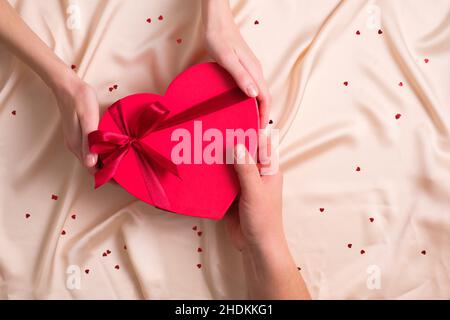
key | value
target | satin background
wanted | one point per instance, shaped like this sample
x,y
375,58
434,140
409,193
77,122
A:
x,y
307,49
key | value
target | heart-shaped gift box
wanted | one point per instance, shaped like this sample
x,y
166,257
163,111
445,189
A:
x,y
140,134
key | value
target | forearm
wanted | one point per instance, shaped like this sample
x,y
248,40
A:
x,y
271,272
216,15
24,43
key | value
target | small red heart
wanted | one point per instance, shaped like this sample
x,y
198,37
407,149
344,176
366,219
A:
x,y
13,112
199,249
149,20
426,60
117,267
346,83
357,32
358,169
73,67
400,84
199,265
104,254
115,86
160,18
86,271
362,251
424,252
321,209
256,22
397,116
54,197
199,233
179,40
74,216
371,219
108,251
380,31
349,245
63,232
194,228
110,89
27,215
270,121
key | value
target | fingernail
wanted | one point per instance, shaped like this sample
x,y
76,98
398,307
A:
x,y
90,160
240,152
252,91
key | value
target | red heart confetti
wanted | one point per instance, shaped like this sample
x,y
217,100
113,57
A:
x,y
179,40
358,169
115,86
160,18
357,32
86,271
149,20
346,83
74,216
199,265
362,252
199,233
256,22
199,249
27,215
104,254
73,67
270,121
397,116
63,232
194,228
110,89
424,252
54,197
400,84
108,251
349,245
426,60
117,267
380,31
371,219
13,112
321,209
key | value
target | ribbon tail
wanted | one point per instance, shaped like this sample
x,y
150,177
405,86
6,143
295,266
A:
x,y
153,185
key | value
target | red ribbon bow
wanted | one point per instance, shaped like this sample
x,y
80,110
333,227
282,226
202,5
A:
x,y
112,147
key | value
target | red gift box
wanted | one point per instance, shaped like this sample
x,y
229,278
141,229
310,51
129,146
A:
x,y
171,151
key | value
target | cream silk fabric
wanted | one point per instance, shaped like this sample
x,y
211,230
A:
x,y
308,50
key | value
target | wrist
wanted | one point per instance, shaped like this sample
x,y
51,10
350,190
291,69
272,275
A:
x,y
64,81
216,15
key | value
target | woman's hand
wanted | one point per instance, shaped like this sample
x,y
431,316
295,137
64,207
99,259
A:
x,y
256,228
226,45
79,109
76,100
255,221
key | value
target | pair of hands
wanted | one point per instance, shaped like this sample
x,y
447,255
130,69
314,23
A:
x,y
80,115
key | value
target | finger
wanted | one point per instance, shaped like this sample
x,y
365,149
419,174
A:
x,y
242,77
253,66
88,123
246,169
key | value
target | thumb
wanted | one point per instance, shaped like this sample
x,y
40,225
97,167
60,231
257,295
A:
x,y
88,124
246,169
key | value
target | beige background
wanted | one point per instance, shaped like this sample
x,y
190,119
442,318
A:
x,y
308,49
